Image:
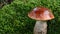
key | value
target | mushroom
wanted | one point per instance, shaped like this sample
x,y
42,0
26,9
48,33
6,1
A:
x,y
41,15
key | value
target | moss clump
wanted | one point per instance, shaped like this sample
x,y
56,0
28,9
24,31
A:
x,y
14,19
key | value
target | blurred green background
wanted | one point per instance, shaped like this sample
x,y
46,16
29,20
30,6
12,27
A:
x,y
14,19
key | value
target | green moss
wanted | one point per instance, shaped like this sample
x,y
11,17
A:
x,y
14,19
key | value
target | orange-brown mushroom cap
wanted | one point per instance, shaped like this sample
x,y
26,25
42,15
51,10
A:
x,y
41,13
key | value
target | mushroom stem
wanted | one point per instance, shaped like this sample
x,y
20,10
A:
x,y
40,27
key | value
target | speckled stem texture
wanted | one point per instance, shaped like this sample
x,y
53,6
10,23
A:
x,y
40,27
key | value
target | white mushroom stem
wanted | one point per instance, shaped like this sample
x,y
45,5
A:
x,y
40,27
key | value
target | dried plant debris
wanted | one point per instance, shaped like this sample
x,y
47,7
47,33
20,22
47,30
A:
x,y
4,2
